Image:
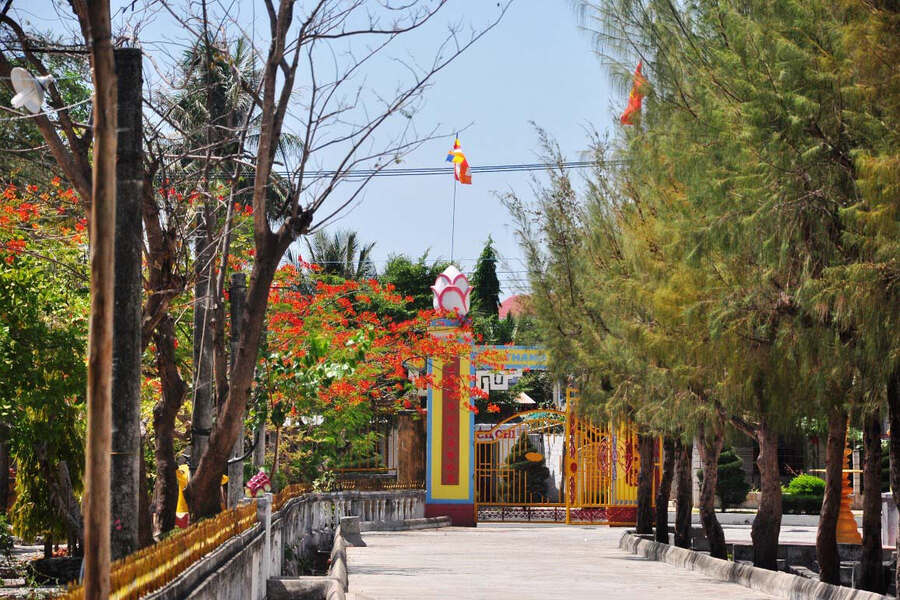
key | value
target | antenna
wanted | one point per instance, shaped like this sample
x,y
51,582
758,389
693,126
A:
x,y
29,89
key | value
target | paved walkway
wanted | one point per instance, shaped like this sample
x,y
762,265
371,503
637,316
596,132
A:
x,y
519,562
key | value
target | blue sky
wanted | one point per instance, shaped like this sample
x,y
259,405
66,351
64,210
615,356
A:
x,y
536,65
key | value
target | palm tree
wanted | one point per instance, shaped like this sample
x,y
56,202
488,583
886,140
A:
x,y
341,254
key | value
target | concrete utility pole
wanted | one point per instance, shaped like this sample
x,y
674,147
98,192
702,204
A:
x,y
236,467
100,332
202,415
126,385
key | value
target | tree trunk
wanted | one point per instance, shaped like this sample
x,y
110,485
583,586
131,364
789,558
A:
x,y
646,445
126,392
259,448
664,491
893,403
64,497
410,447
276,457
202,492
236,467
684,493
204,339
767,524
711,441
826,536
872,570
145,524
165,490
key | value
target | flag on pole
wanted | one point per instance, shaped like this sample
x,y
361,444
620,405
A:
x,y
460,165
635,97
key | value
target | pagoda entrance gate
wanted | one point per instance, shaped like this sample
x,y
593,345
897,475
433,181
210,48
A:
x,y
553,466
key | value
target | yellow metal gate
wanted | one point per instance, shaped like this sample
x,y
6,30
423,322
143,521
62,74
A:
x,y
552,466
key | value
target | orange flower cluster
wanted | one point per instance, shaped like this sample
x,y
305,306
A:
x,y
392,365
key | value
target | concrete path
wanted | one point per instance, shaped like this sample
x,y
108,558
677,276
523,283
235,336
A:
x,y
519,562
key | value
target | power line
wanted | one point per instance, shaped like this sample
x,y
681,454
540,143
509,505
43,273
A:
x,y
428,171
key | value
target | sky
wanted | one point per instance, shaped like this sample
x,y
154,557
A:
x,y
536,65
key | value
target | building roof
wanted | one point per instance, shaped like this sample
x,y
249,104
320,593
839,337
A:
x,y
516,305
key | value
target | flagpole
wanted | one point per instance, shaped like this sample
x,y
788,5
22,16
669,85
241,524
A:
x,y
453,220
453,211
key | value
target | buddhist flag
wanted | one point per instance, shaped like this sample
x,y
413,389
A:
x,y
635,97
460,165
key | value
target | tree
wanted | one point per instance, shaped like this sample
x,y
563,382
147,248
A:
x,y
42,378
485,296
337,362
275,228
527,479
413,278
732,486
341,255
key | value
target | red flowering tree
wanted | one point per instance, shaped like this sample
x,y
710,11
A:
x,y
339,359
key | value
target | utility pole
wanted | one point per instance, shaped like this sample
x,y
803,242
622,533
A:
x,y
100,332
236,466
126,384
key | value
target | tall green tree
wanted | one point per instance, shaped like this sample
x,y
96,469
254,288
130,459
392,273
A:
x,y
485,296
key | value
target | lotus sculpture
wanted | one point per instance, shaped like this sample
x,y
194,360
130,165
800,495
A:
x,y
451,291
258,483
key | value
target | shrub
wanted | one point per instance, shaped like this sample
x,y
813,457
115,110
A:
x,y
801,504
803,495
732,486
536,474
731,483
6,538
808,485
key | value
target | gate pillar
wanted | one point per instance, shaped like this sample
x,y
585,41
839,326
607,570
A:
x,y
450,456
450,447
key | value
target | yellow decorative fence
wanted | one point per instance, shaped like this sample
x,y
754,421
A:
x,y
547,465
151,568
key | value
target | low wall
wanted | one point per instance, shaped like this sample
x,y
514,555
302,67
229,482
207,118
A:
x,y
285,542
774,583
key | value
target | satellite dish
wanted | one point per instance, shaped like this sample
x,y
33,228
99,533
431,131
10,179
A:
x,y
30,90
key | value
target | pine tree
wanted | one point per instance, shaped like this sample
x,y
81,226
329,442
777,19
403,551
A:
x,y
485,297
732,486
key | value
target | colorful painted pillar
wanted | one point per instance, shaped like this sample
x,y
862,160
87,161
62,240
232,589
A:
x,y
450,455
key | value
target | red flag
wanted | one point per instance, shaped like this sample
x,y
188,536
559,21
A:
x,y
635,97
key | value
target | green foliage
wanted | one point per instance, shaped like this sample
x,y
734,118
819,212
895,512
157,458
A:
x,y
801,504
732,486
6,538
808,485
42,384
535,473
803,495
341,254
412,279
485,295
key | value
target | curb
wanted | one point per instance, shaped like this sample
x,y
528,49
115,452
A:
x,y
774,583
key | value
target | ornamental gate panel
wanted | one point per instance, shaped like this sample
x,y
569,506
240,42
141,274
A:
x,y
555,467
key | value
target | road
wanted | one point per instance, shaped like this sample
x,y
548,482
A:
x,y
519,562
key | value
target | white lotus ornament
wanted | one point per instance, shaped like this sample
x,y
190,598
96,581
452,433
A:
x,y
451,291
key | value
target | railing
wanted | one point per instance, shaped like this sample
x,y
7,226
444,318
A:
x,y
152,568
148,570
345,485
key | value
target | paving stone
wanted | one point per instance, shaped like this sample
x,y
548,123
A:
x,y
519,562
